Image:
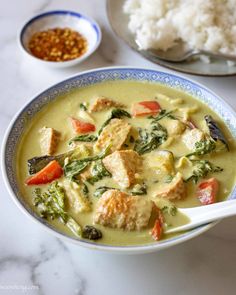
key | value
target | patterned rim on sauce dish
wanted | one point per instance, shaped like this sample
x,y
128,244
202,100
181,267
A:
x,y
92,77
61,18
119,23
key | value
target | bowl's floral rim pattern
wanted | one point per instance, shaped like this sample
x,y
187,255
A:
x,y
90,78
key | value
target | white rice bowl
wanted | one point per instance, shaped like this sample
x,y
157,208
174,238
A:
x,y
202,24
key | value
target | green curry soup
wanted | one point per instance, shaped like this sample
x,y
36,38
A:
x,y
126,178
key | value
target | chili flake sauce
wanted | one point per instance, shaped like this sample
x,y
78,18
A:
x,y
58,44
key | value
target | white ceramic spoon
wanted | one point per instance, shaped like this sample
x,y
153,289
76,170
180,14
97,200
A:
x,y
204,214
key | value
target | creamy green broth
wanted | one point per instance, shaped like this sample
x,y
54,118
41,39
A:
x,y
56,115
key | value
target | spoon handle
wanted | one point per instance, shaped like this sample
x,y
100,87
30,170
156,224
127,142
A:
x,y
217,55
204,214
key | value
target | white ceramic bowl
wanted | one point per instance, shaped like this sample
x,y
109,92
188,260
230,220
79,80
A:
x,y
18,124
61,19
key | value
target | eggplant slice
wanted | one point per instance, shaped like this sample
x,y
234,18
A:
x,y
37,163
215,131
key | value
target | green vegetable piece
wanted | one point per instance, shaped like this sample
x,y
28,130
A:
x,y
57,194
139,189
149,141
84,138
168,179
91,233
75,167
203,147
101,190
50,205
83,107
166,206
171,210
115,113
98,171
161,115
85,190
74,226
201,169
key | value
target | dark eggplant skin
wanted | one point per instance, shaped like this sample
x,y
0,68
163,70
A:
x,y
91,233
215,131
37,163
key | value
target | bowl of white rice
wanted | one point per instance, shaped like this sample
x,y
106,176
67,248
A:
x,y
201,24
208,25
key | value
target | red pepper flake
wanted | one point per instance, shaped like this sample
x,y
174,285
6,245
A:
x,y
58,44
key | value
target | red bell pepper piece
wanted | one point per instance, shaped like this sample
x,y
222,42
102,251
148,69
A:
x,y
145,108
81,126
49,173
157,229
207,191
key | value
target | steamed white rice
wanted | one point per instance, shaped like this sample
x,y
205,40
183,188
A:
x,y
202,24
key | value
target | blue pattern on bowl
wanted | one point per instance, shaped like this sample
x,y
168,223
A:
x,y
98,76
65,13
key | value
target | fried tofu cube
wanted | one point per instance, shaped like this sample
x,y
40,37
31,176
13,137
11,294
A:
x,y
175,190
175,127
113,135
117,209
123,165
190,137
104,103
49,139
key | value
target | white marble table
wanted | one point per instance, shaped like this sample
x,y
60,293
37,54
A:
x,y
34,262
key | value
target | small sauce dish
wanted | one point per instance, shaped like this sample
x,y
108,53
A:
x,y
62,19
